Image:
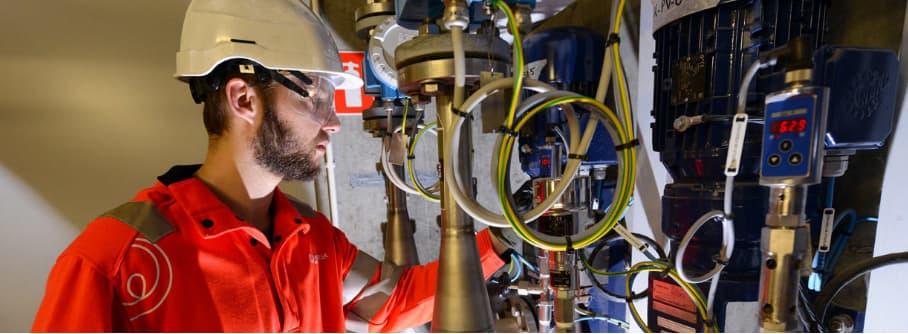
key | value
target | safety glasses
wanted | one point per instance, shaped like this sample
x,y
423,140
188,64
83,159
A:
x,y
315,95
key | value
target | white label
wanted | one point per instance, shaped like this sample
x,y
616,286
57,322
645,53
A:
x,y
826,230
534,69
736,145
666,11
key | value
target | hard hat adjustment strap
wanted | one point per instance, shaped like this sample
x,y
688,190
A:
x,y
200,87
290,84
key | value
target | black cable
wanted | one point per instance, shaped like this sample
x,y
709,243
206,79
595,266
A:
x,y
612,296
532,309
848,275
808,314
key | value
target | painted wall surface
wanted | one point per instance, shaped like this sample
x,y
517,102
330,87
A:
x,y
887,290
89,114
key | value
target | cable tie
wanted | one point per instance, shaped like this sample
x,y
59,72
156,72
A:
x,y
612,39
462,114
633,143
581,157
581,111
411,157
720,260
508,131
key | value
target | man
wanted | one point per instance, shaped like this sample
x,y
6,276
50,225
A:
x,y
218,247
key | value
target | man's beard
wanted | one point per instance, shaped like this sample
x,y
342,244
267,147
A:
x,y
277,149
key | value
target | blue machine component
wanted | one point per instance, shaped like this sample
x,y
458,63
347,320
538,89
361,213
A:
x,y
864,83
569,58
794,123
412,13
375,87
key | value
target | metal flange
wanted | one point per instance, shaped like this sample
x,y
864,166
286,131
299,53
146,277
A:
x,y
370,15
429,59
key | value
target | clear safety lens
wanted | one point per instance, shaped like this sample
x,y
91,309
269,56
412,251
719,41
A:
x,y
319,104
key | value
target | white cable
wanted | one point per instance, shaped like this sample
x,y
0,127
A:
x,y
711,296
724,252
728,232
459,64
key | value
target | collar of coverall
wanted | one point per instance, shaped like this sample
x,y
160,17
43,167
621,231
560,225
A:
x,y
212,218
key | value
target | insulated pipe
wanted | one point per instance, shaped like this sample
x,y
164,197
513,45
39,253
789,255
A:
x,y
461,300
400,247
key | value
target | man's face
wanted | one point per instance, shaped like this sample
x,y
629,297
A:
x,y
294,130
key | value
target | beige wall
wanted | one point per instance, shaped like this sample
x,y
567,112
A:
x,y
89,114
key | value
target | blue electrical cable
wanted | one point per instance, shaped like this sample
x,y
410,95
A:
x,y
830,191
525,262
824,263
613,321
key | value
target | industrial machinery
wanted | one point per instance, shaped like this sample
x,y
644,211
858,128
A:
x,y
755,115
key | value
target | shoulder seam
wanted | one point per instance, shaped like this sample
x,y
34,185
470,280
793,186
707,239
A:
x,y
143,217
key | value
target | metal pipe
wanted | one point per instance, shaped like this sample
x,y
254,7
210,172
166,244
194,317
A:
x,y
545,305
332,184
400,246
563,286
461,300
784,246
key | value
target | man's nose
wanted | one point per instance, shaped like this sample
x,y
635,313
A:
x,y
333,124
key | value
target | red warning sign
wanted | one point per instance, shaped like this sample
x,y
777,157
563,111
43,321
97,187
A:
x,y
352,101
671,309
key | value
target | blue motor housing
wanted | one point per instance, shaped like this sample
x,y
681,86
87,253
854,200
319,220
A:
x,y
568,58
700,61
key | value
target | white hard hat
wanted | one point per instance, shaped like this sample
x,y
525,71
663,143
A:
x,y
277,34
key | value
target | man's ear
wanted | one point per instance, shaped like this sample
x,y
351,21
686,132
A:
x,y
240,100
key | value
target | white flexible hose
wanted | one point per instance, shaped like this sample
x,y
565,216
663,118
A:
x,y
724,253
460,66
453,177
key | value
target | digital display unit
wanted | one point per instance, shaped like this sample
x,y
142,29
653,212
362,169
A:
x,y
791,125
